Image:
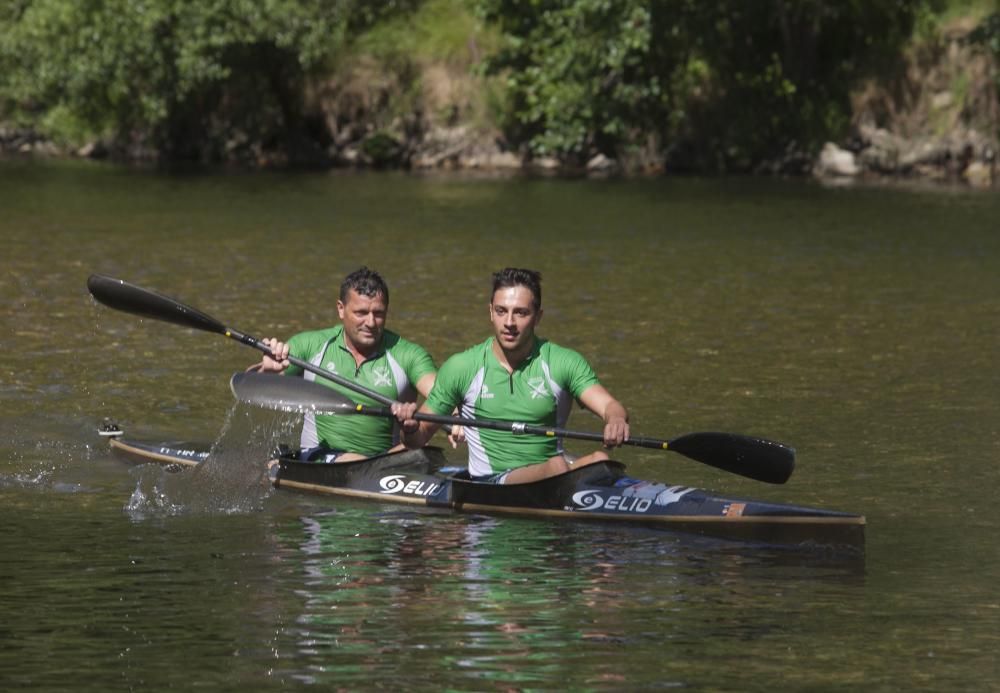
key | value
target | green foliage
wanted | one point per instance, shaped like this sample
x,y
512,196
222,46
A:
x,y
783,71
582,75
976,10
382,150
987,34
707,85
746,80
437,31
412,69
183,77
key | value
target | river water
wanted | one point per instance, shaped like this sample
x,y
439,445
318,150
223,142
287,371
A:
x,y
858,325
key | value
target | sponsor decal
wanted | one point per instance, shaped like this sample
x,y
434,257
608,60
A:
x,y
398,483
331,366
382,376
174,452
485,393
537,386
734,509
592,500
671,495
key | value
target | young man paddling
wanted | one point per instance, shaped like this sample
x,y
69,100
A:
x,y
362,350
516,376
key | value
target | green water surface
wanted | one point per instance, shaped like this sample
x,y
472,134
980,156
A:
x,y
859,325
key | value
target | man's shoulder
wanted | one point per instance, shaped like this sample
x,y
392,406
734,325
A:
x,y
550,351
316,336
567,366
467,361
393,342
473,354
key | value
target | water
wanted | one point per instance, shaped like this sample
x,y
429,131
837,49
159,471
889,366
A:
x,y
858,325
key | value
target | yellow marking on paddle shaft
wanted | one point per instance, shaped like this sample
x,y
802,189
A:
x,y
666,446
358,407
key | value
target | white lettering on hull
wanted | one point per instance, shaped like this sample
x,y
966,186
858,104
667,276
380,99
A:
x,y
174,452
591,500
397,483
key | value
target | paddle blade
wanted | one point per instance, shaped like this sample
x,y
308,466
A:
x,y
755,458
289,394
120,295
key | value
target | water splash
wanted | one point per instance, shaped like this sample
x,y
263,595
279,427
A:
x,y
231,480
46,453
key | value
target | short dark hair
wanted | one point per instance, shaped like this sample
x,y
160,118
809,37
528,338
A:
x,y
513,276
366,282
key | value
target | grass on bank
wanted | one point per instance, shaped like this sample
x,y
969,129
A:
x,y
423,61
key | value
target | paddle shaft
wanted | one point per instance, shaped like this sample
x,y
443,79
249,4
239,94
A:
x,y
129,298
250,340
754,458
512,427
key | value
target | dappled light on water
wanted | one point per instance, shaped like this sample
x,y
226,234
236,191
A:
x,y
232,479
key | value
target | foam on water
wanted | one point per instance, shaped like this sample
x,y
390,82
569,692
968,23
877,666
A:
x,y
231,480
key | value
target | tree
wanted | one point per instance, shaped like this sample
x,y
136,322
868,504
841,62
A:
x,y
584,76
729,82
176,79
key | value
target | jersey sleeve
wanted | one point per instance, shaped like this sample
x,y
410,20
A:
x,y
416,361
304,346
575,374
449,385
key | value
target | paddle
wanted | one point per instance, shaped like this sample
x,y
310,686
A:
x,y
129,298
755,458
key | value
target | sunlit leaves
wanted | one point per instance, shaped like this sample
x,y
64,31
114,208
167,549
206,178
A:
x,y
167,68
747,79
582,73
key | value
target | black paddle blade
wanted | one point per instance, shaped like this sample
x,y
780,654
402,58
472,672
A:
x,y
288,394
755,458
120,295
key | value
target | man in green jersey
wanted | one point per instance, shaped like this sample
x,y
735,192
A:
x,y
516,376
360,349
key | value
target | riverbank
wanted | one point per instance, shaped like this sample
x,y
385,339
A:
x,y
933,118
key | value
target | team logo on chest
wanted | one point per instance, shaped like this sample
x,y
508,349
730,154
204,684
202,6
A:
x,y
537,386
381,376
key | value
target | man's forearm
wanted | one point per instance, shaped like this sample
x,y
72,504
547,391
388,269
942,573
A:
x,y
419,437
615,410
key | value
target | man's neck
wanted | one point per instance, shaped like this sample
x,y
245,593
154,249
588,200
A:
x,y
359,355
510,360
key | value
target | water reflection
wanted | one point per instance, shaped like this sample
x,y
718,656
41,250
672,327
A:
x,y
480,596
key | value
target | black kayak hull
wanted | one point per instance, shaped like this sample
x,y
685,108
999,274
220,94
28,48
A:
x,y
599,492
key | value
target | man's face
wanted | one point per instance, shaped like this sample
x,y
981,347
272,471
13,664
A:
x,y
514,317
364,319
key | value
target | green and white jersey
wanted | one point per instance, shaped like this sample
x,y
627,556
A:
x,y
540,392
393,371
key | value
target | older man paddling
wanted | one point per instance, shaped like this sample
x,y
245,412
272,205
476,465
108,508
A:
x,y
362,350
516,376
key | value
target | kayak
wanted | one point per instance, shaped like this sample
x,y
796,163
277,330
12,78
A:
x,y
601,492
